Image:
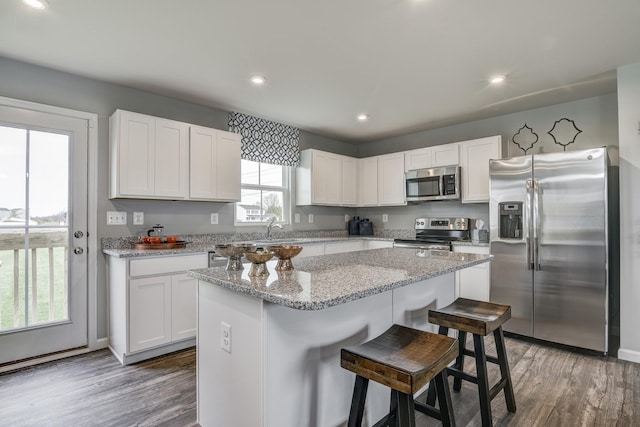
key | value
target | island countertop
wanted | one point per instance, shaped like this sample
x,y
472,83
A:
x,y
320,282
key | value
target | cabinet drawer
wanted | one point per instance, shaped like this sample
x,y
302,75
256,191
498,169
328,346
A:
x,y
166,264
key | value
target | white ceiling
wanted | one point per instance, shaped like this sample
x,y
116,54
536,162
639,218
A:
x,y
410,64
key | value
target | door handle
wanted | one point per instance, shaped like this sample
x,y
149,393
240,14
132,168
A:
x,y
527,223
537,225
78,234
78,250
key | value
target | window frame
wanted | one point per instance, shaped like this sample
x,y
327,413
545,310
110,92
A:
x,y
286,197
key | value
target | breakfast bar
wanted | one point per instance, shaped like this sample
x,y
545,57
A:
x,y
268,348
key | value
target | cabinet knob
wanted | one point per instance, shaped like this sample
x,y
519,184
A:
x,y
78,251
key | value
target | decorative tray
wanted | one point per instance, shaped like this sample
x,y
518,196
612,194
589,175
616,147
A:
x,y
179,244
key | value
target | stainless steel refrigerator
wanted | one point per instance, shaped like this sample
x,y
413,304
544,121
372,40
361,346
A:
x,y
548,235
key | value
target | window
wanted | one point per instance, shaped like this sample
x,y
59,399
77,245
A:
x,y
265,193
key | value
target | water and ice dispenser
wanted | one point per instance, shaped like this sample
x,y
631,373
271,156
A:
x,y
510,220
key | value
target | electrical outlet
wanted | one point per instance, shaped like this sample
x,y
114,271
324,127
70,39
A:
x,y
310,218
346,217
385,218
296,218
116,218
138,218
214,218
225,337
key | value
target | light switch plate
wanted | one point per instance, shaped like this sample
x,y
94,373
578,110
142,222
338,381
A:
x,y
138,218
346,217
214,218
310,218
296,218
116,218
385,218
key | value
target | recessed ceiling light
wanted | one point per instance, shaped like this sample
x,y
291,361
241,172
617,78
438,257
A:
x,y
36,4
497,79
363,117
258,80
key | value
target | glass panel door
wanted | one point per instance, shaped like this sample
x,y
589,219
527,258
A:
x,y
43,205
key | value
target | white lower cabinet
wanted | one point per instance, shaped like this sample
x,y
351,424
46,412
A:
x,y
152,305
474,282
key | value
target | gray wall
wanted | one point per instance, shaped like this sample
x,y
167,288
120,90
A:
x,y
629,128
596,117
36,84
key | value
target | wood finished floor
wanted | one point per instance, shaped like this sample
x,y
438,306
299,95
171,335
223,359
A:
x,y
553,387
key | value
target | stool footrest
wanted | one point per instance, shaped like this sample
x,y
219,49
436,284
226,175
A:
x,y
497,388
492,359
463,375
428,410
387,420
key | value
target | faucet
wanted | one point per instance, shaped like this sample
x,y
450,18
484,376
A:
x,y
271,225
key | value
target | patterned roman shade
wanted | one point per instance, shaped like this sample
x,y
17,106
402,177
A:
x,y
266,141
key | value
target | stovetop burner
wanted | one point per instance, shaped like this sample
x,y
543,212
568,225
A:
x,y
436,233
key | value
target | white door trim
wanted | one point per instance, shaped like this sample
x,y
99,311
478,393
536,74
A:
x,y
94,343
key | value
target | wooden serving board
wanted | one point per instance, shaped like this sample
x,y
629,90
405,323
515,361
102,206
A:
x,y
147,246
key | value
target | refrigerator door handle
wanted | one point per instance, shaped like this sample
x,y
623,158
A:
x,y
527,223
536,224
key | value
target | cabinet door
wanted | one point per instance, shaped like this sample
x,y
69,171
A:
x,y
171,159
228,166
326,178
183,306
368,181
133,167
149,312
445,155
417,159
474,165
202,160
214,161
474,282
391,179
349,181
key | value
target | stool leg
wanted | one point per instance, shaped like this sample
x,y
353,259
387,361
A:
x,y
357,402
406,416
483,380
462,345
444,399
504,369
431,393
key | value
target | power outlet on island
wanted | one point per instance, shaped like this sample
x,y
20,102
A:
x,y
225,337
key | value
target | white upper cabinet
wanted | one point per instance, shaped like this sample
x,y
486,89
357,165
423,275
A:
x,y
349,181
325,179
391,179
148,157
154,158
431,157
214,164
368,181
474,164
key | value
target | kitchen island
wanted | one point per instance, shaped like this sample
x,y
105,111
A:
x,y
269,348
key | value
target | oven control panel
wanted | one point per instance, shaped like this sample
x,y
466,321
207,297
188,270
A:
x,y
442,224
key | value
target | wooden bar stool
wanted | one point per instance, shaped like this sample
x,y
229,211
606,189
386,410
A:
x,y
480,319
405,360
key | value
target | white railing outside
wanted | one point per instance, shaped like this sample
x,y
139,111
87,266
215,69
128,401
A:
x,y
46,279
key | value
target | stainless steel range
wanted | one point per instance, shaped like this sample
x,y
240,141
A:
x,y
436,233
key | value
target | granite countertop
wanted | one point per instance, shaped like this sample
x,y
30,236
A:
x,y
320,282
126,250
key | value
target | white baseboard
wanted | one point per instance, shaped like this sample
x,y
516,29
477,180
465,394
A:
x,y
629,355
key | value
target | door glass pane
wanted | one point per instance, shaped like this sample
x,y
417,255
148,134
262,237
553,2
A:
x,y
34,202
48,178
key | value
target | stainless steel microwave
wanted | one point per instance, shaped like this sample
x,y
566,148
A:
x,y
441,183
